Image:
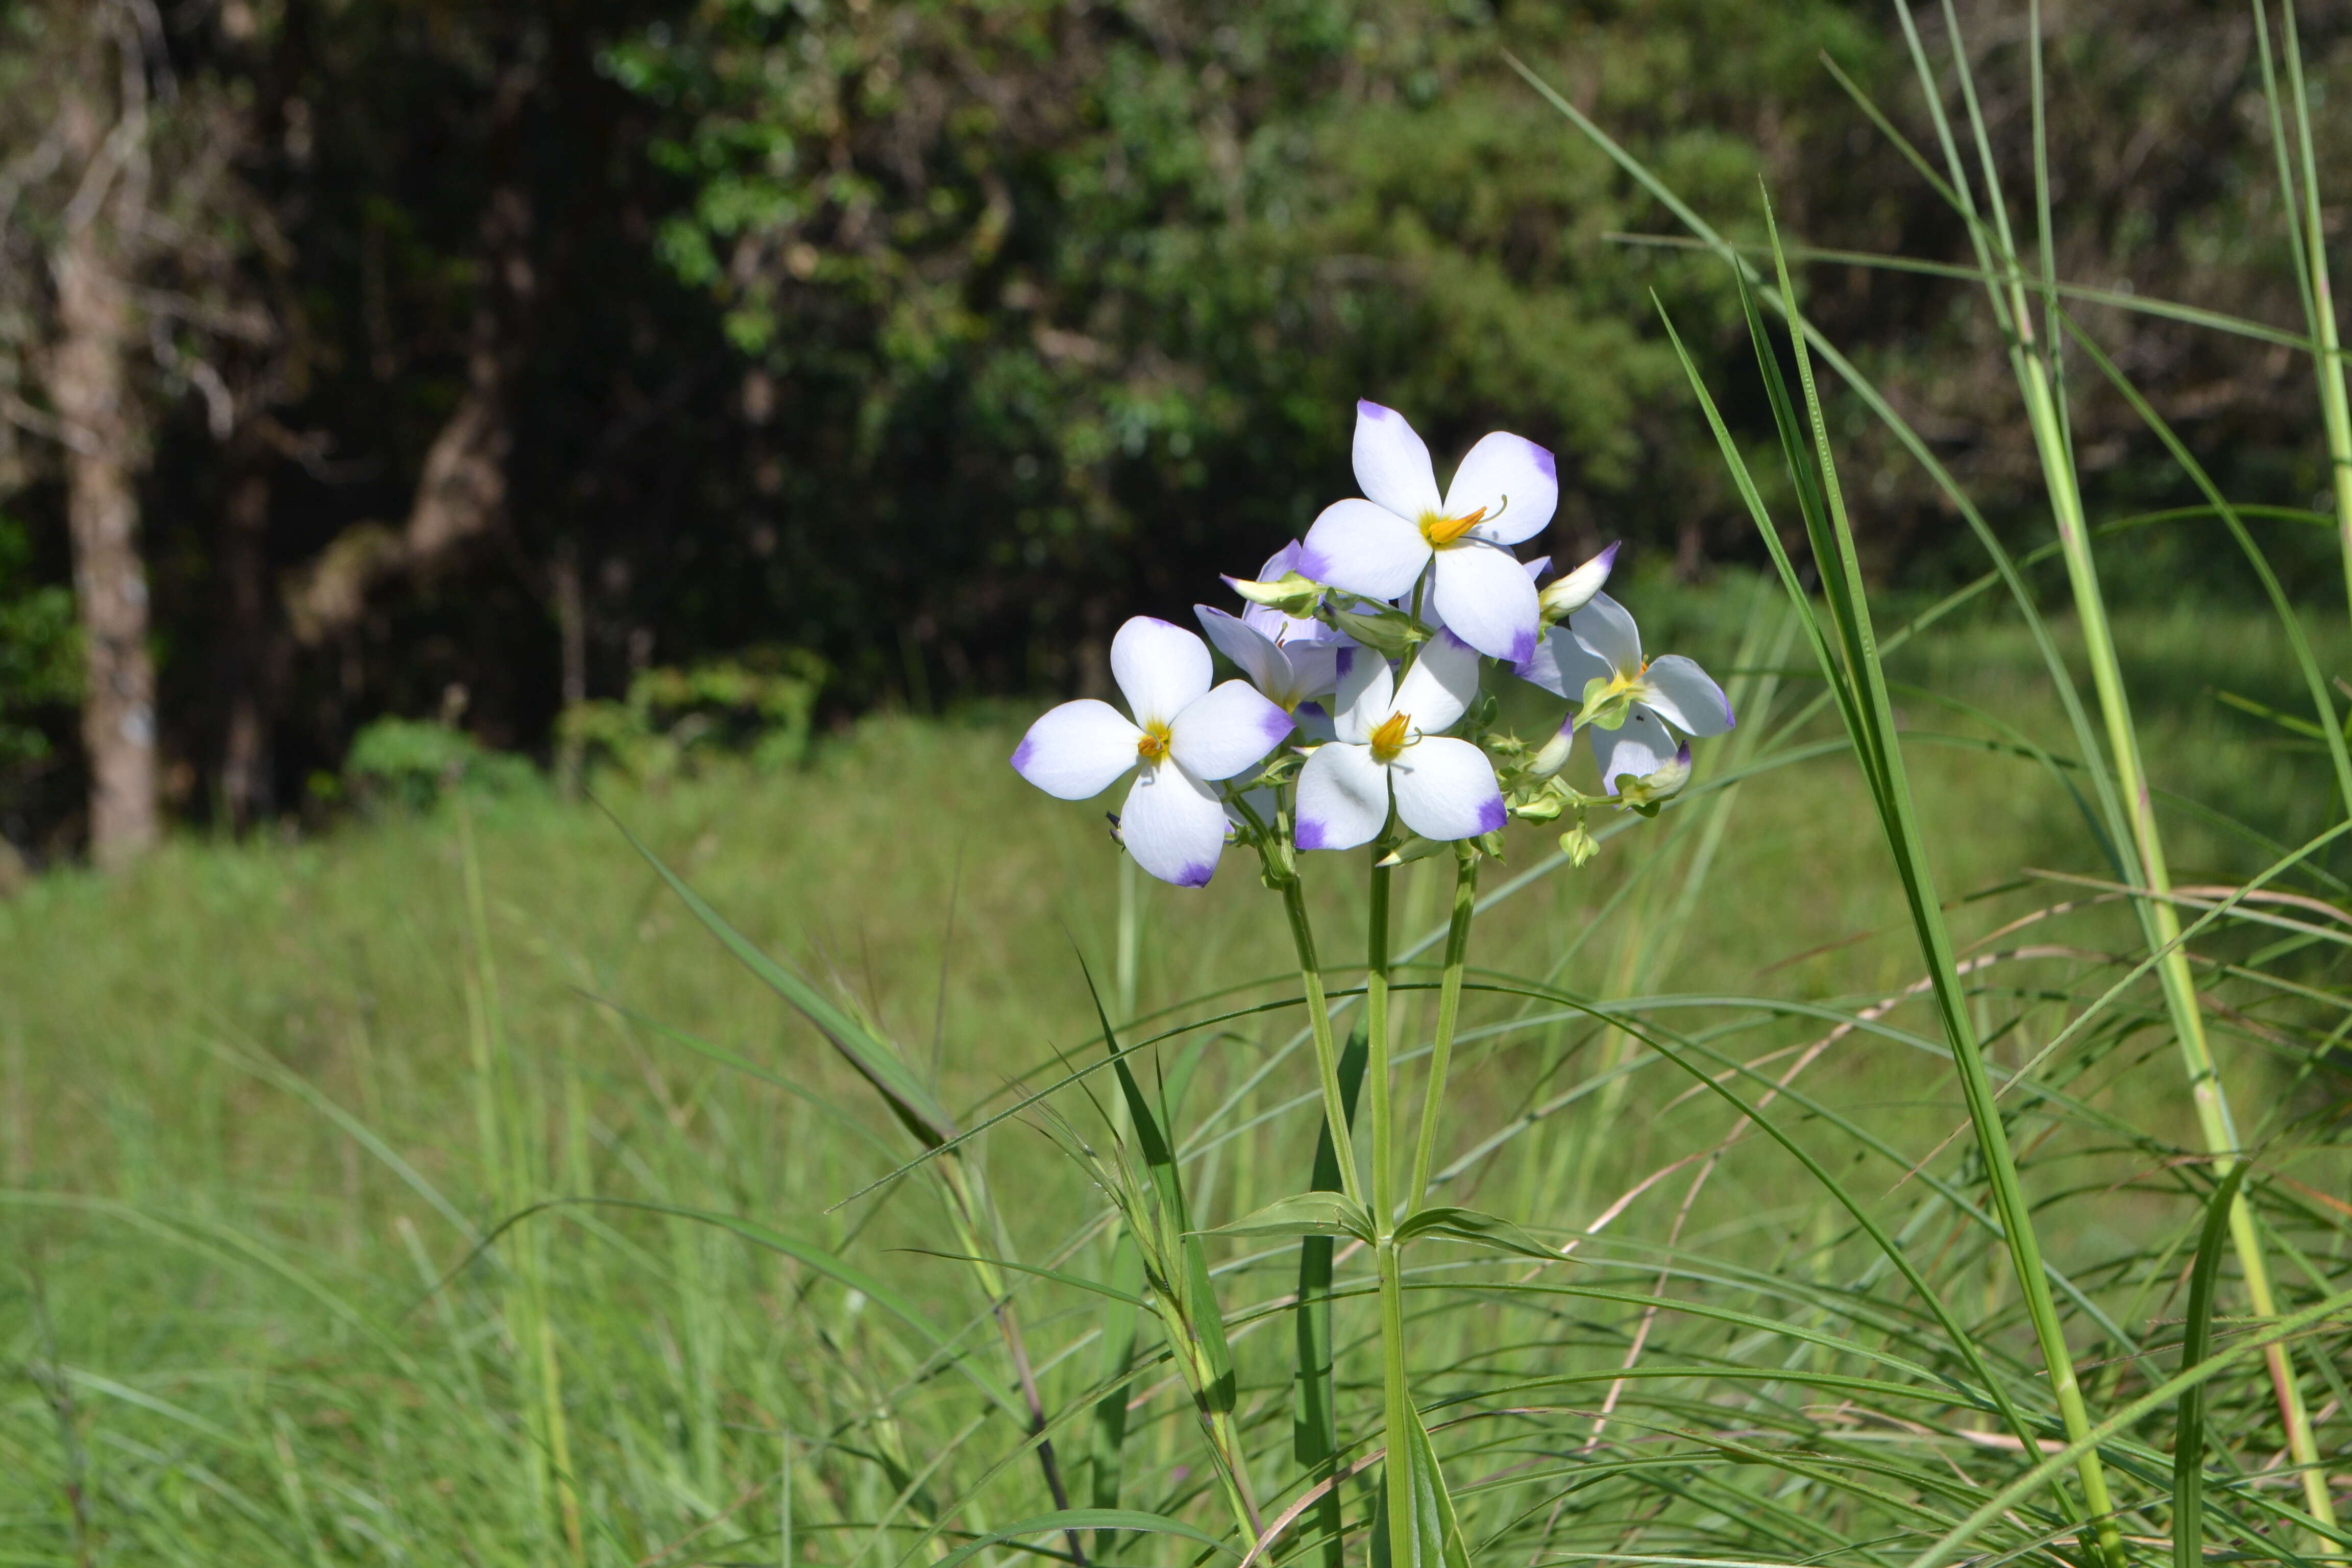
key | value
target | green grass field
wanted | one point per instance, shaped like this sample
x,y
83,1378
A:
x,y
261,1107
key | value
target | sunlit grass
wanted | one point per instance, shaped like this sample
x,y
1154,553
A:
x,y
221,1293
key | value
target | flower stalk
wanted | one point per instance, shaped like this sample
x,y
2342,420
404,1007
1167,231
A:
x,y
1449,1011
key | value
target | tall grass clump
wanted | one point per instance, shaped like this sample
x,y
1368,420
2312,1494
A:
x,y
1859,1135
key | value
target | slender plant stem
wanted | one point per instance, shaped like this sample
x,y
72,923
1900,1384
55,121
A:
x,y
1449,1010
1376,1025
1396,1401
1326,1052
2328,361
2045,414
2215,1124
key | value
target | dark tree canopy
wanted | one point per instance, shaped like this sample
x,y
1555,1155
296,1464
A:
x,y
479,355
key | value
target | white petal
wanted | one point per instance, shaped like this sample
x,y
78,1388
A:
x,y
1365,688
1314,726
1343,798
1441,685
1159,666
1392,465
1364,549
1314,668
1226,731
1486,600
1076,750
1640,747
1604,626
1173,824
1446,789
1279,565
1574,591
1247,646
1685,696
1517,482
1562,665
1535,569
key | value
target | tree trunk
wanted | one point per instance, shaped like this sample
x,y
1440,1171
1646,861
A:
x,y
248,656
90,386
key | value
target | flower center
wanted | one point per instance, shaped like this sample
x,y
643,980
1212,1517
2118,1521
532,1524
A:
x,y
1388,739
1152,744
1443,530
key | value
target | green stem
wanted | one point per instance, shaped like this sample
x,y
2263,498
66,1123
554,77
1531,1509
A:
x,y
1449,1009
2328,362
1396,1409
1326,1052
1376,1026
2015,1217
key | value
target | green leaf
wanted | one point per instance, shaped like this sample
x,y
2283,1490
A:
x,y
1077,1519
874,1057
1315,1427
1304,1213
2196,1343
1479,1229
1433,1536
1107,1456
1199,1303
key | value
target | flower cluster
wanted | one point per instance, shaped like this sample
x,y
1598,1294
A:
x,y
1365,715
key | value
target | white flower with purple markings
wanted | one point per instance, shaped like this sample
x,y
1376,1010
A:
x,y
1389,748
1631,707
1504,492
1290,658
1184,738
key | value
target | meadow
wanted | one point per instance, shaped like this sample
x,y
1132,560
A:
x,y
267,1108
1917,1136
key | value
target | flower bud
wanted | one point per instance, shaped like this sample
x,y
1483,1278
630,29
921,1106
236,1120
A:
x,y
1293,595
1553,757
1565,596
1578,845
1646,795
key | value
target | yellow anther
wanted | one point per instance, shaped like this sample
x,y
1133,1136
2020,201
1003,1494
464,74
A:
x,y
1440,530
1388,739
1152,744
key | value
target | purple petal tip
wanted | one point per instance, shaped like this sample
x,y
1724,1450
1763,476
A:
x,y
1523,647
1546,461
1277,724
1608,556
1367,409
1020,755
1682,754
1491,816
1196,875
1309,835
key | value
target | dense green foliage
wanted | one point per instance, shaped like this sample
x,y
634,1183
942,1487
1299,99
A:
x,y
934,338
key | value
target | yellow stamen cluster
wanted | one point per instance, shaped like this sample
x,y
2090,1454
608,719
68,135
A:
x,y
1152,744
1443,530
1388,739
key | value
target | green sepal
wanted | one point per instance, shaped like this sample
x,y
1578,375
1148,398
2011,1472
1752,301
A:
x,y
1386,632
1605,704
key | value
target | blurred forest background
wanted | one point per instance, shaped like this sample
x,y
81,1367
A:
x,y
519,371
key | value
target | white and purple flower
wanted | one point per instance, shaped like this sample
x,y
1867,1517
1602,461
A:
x,y
1185,737
1655,697
1388,747
1504,492
1290,658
